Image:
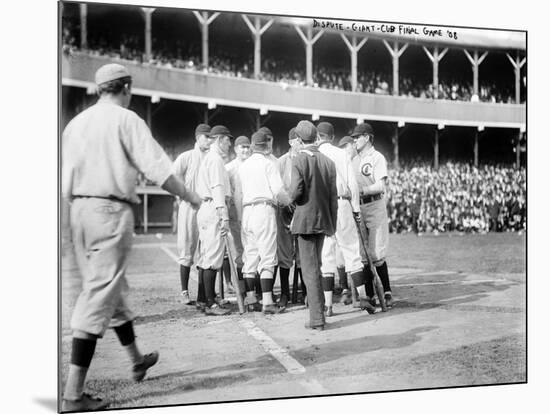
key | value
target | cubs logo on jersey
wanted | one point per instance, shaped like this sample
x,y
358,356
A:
x,y
366,169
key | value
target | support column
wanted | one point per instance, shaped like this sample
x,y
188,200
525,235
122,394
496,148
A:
x,y
147,13
395,53
83,26
257,31
395,141
149,115
518,149
353,49
476,60
436,145
476,148
309,41
204,21
436,58
517,64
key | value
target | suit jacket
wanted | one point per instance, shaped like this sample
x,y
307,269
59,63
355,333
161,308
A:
x,y
313,189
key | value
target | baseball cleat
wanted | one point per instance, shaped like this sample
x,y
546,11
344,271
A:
x,y
364,304
328,311
216,310
389,300
200,306
372,301
139,370
185,297
316,327
86,402
346,297
283,302
270,309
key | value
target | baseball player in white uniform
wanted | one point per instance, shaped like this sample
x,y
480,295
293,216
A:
x,y
186,167
342,248
372,173
104,147
260,191
242,152
213,217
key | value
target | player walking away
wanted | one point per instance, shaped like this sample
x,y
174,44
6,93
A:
x,y
342,248
242,152
104,147
286,242
213,218
313,189
372,173
259,192
186,167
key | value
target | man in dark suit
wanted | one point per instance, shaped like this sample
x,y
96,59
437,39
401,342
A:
x,y
313,189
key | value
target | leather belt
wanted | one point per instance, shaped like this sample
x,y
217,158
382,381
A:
x,y
207,199
365,199
259,202
344,198
120,200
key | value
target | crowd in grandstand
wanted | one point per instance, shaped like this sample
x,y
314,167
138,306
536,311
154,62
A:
x,y
456,197
176,54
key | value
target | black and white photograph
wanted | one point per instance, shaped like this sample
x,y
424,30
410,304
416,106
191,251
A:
x,y
273,206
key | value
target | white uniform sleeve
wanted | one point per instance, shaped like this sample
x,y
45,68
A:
x,y
274,179
380,169
179,169
145,153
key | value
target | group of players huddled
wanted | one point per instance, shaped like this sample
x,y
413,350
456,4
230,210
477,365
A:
x,y
248,207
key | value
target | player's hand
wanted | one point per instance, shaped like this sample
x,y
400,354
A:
x,y
357,217
193,198
224,227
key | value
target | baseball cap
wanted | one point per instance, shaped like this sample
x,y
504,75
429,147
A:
x,y
266,130
345,140
292,134
306,131
202,129
221,130
242,140
362,129
110,72
325,128
260,137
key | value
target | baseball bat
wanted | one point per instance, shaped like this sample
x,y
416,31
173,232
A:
x,y
234,277
378,288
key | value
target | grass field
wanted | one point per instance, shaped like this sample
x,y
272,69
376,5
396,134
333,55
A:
x,y
459,320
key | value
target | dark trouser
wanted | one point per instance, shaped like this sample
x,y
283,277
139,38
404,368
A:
x,y
310,246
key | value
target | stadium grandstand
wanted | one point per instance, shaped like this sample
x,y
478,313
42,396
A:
x,y
449,111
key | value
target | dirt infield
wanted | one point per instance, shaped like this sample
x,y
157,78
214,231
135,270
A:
x,y
459,319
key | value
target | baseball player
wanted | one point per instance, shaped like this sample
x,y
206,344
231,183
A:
x,y
342,248
213,217
260,190
347,143
286,242
104,147
242,152
372,173
186,167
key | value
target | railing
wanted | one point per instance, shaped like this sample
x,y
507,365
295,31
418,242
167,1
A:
x,y
187,85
